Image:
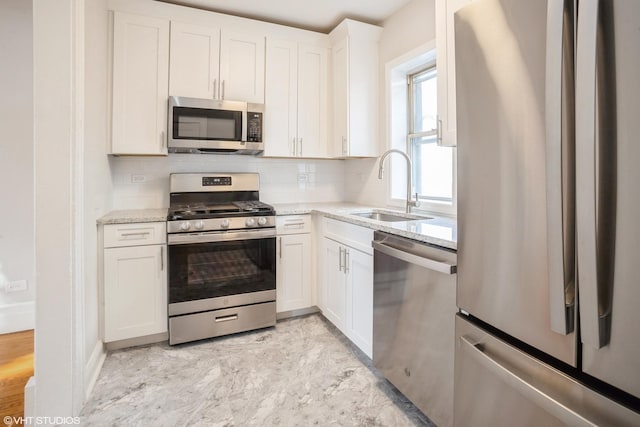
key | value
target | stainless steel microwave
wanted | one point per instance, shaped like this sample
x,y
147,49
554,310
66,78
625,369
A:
x,y
214,126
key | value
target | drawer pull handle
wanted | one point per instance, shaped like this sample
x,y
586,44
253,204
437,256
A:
x,y
142,233
298,224
226,318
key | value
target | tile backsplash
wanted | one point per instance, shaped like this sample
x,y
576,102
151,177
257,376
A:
x,y
143,182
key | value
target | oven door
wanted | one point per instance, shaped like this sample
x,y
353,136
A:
x,y
209,271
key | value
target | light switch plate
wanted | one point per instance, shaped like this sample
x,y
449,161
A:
x,y
16,286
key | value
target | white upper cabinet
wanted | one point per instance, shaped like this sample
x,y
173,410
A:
x,y
140,82
195,61
313,71
446,68
341,98
242,67
281,99
207,62
296,100
355,89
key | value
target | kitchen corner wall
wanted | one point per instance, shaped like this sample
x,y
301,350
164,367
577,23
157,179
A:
x,y
281,180
409,28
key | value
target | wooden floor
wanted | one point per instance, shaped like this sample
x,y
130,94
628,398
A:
x,y
16,366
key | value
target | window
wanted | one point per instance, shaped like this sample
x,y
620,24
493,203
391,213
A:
x,y
433,166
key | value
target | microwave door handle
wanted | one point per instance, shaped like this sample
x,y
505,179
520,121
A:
x,y
245,124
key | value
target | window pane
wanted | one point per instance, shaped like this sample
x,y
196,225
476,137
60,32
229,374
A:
x,y
425,99
433,169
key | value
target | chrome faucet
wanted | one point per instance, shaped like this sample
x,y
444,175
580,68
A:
x,y
409,202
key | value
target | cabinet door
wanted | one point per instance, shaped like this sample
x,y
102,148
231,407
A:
x,y
242,67
446,68
293,283
135,292
194,63
334,286
312,101
363,103
140,84
281,102
360,299
341,98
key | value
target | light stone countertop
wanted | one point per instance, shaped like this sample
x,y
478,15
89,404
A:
x,y
440,231
133,215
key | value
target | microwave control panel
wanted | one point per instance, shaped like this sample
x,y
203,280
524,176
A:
x,y
254,127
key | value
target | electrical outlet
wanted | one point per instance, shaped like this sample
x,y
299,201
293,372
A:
x,y
17,286
303,177
138,178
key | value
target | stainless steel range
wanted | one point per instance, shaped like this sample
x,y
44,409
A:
x,y
222,256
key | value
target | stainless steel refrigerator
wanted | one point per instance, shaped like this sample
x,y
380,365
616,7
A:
x,y
548,130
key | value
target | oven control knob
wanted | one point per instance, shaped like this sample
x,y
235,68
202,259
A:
x,y
262,221
224,223
185,225
250,222
199,225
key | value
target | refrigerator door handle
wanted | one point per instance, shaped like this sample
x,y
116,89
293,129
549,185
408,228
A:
x,y
560,161
543,400
594,308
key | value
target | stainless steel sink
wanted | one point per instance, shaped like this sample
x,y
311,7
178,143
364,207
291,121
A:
x,y
386,217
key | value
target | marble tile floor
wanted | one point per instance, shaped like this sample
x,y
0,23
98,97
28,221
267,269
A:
x,y
303,372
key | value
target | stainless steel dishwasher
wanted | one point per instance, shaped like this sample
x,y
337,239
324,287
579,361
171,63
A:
x,y
414,307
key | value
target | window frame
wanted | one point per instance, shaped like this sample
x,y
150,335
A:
x,y
437,204
397,72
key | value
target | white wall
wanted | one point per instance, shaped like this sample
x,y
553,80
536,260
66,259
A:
x,y
16,164
407,29
98,191
278,178
58,72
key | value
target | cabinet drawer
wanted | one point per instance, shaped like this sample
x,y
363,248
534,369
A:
x,y
136,234
349,234
293,224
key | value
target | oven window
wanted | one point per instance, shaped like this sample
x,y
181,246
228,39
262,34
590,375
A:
x,y
210,270
207,124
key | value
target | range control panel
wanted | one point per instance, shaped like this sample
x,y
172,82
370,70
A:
x,y
209,181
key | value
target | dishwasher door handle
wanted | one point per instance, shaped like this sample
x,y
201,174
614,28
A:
x,y
439,266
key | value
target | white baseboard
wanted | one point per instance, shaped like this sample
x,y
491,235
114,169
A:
x,y
93,368
17,317
29,398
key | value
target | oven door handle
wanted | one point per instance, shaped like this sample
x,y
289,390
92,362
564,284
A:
x,y
216,236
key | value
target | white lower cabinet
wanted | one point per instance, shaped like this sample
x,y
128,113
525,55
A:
x,y
135,281
334,284
360,299
293,271
347,286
